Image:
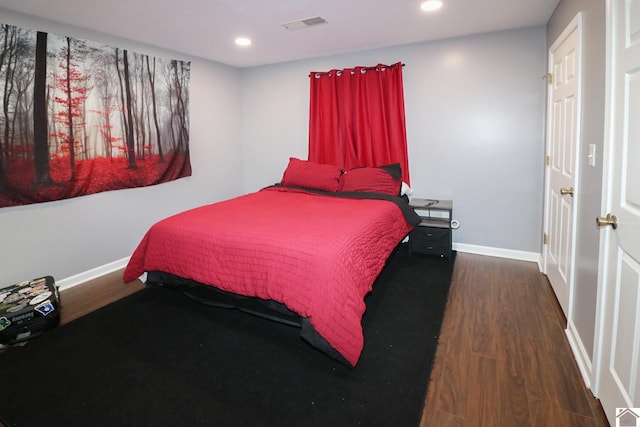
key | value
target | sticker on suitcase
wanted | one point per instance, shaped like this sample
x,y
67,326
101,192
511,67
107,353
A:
x,y
45,308
4,323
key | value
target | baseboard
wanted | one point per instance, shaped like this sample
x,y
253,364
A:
x,y
579,353
498,252
94,273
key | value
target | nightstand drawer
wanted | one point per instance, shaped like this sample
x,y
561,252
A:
x,y
431,241
431,233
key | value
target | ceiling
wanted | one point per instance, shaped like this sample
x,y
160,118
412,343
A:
x,y
207,28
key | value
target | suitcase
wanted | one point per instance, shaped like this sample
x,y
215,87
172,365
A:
x,y
28,309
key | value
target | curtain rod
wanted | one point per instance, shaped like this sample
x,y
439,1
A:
x,y
363,69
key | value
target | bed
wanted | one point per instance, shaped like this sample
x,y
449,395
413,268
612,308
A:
x,y
309,247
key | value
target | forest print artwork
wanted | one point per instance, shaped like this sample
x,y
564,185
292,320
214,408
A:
x,y
79,118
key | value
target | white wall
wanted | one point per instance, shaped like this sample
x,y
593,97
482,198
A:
x,y
475,127
70,237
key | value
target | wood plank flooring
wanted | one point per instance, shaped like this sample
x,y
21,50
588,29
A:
x,y
502,359
82,299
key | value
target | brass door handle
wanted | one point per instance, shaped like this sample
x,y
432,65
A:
x,y
565,191
610,219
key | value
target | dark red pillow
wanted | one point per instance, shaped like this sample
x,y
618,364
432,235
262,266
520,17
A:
x,y
303,173
375,180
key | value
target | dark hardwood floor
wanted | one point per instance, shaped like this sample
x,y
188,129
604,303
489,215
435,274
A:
x,y
502,359
85,298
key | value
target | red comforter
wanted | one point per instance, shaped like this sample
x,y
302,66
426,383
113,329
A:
x,y
318,255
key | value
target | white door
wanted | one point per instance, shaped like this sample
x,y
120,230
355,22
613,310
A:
x,y
562,147
617,374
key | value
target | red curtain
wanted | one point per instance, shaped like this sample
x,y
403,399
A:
x,y
356,117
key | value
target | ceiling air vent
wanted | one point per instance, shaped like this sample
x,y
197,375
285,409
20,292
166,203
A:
x,y
304,23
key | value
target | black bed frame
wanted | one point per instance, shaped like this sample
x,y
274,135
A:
x,y
267,309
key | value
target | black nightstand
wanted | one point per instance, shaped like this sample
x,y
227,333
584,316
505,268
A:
x,y
433,235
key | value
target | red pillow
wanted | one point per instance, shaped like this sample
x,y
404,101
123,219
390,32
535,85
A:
x,y
375,180
303,173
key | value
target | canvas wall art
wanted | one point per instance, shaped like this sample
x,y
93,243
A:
x,y
79,117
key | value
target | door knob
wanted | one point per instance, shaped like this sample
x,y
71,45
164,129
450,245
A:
x,y
565,191
610,219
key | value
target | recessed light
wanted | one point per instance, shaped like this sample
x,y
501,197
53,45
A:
x,y
243,41
431,5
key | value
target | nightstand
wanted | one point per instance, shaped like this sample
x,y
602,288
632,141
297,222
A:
x,y
433,235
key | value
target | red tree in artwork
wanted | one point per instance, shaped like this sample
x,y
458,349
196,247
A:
x,y
73,87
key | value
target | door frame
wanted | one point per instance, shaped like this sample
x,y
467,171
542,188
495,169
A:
x,y
574,25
